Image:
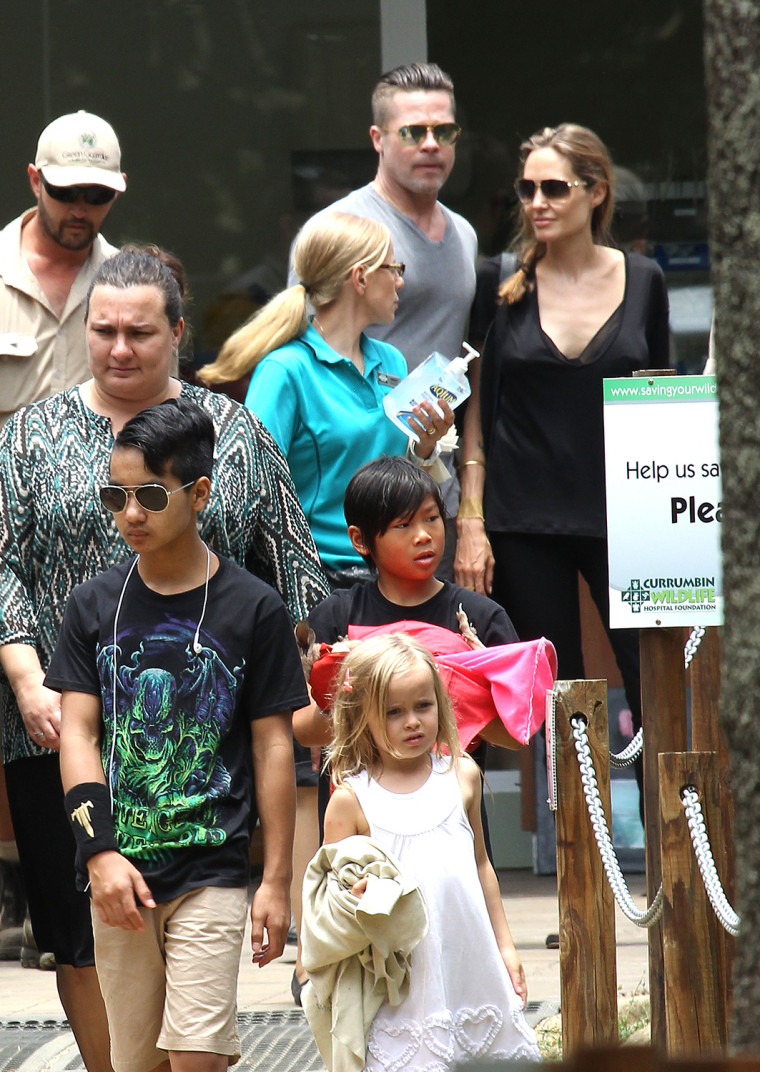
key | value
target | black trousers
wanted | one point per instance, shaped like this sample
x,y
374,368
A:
x,y
536,581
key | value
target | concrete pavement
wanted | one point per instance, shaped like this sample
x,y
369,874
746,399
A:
x,y
530,902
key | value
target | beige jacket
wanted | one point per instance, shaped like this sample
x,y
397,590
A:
x,y
39,354
356,950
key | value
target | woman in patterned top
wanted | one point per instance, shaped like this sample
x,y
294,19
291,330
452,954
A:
x,y
53,458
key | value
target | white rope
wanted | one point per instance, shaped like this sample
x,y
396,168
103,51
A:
x,y
691,645
551,746
701,842
630,753
642,918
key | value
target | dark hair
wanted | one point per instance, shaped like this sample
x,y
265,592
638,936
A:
x,y
383,490
149,266
589,159
407,79
176,435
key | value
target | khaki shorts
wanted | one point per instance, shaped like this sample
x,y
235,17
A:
x,y
173,986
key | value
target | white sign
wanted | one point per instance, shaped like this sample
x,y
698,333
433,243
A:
x,y
663,501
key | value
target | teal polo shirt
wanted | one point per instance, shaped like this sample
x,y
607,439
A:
x,y
328,421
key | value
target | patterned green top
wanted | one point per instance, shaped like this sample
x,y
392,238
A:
x,y
54,534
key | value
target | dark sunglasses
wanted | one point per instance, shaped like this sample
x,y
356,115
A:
x,y
415,133
552,189
93,195
152,497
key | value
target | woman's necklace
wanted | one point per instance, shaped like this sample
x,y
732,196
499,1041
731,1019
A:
x,y
357,361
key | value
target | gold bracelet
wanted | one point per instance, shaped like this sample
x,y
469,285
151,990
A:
x,y
470,507
473,461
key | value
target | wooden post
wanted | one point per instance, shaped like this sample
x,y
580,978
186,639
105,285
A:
x,y
663,714
705,671
588,969
695,995
707,736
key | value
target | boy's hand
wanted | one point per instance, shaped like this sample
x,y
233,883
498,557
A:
x,y
270,921
116,886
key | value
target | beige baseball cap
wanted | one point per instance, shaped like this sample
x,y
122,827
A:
x,y
80,149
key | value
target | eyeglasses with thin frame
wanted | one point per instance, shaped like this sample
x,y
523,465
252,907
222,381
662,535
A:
x,y
415,133
396,268
151,497
552,189
93,195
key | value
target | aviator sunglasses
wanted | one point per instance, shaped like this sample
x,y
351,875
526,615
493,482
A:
x,y
414,133
552,189
93,195
152,497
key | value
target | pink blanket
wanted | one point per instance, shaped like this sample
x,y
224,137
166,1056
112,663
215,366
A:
x,y
508,681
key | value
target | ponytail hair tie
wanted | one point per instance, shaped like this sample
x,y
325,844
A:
x,y
305,286
347,687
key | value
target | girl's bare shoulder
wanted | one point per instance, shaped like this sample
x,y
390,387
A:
x,y
468,775
344,816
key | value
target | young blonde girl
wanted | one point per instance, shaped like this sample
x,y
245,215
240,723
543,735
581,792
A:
x,y
402,779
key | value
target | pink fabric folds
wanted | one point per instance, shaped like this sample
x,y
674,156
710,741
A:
x,y
508,681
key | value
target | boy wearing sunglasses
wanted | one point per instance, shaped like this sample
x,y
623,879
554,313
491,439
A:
x,y
49,254
173,667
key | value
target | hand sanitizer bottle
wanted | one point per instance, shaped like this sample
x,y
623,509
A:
x,y
435,379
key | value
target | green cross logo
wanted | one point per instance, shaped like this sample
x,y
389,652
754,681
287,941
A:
x,y
635,596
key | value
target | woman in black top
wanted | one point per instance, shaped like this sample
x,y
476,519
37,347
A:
x,y
574,312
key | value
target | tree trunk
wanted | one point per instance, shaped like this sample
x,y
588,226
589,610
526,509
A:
x,y
732,59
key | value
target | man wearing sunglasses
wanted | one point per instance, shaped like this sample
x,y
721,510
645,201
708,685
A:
x,y
414,133
48,255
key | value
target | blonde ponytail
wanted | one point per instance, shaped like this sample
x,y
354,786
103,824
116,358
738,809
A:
x,y
326,248
280,321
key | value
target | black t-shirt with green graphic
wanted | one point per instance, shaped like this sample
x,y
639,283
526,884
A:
x,y
176,744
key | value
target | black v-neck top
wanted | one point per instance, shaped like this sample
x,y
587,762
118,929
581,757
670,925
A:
x,y
543,412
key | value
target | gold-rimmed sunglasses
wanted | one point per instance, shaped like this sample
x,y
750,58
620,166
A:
x,y
415,133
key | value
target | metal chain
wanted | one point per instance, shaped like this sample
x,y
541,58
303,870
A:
x,y
703,853
691,645
630,753
618,885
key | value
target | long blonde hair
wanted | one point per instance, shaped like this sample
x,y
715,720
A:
x,y
325,251
590,161
364,677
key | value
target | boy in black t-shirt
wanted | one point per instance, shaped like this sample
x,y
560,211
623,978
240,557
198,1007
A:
x,y
395,515
179,674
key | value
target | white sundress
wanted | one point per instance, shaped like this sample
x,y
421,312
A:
x,y
461,1003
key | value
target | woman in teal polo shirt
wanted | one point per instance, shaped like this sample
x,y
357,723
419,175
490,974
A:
x,y
318,384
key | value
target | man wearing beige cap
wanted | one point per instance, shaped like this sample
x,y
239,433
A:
x,y
47,258
48,255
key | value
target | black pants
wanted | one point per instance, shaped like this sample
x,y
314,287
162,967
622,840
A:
x,y
60,914
536,581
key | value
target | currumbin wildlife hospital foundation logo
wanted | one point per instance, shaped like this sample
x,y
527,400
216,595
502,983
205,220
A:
x,y
669,593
